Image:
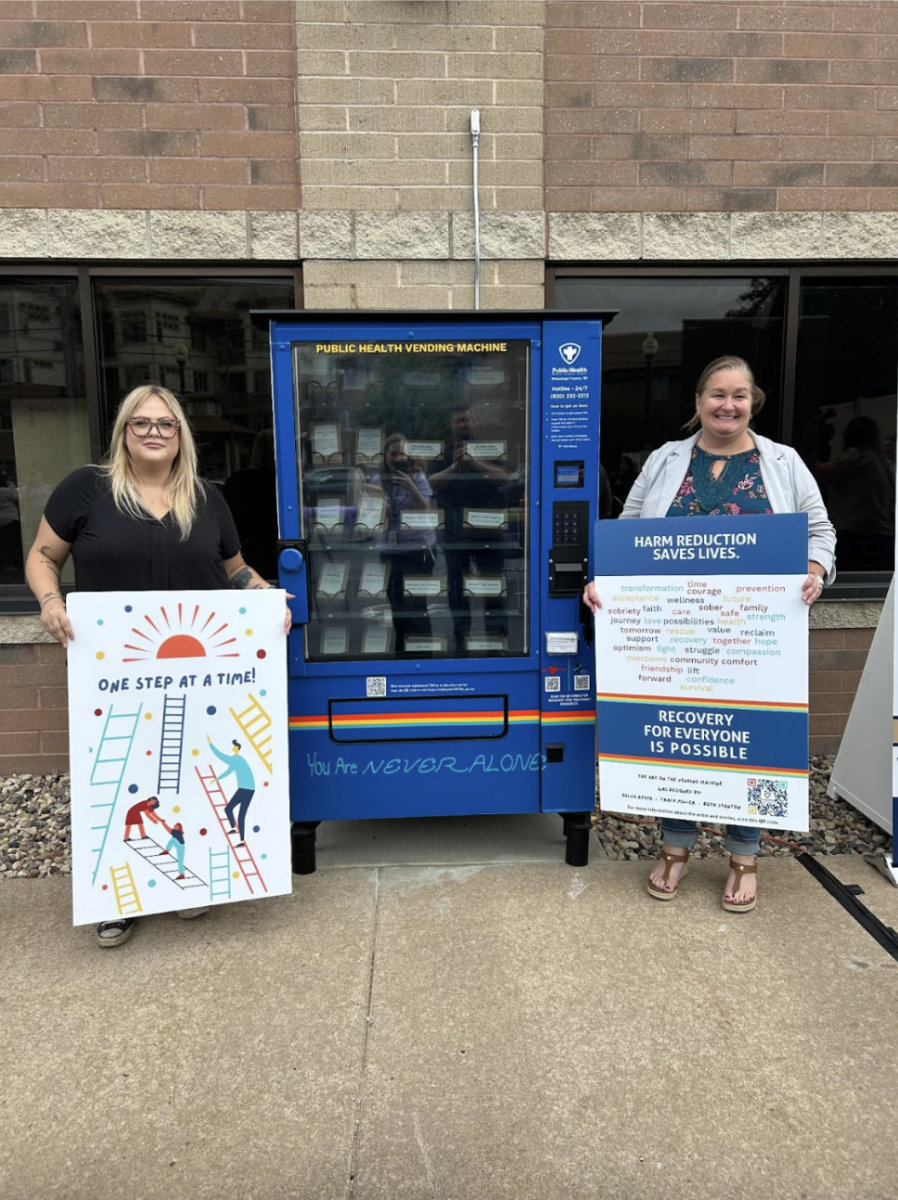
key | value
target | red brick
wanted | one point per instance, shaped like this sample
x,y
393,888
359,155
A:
x,y
192,10
568,147
35,719
638,147
646,95
39,675
55,742
42,33
20,743
196,116
568,199
782,70
638,199
271,116
825,639
831,149
613,14
864,18
50,652
147,142
736,147
575,43
48,195
245,91
12,655
732,199
824,745
23,698
278,12
687,70
829,45
255,145
93,116
690,16
122,195
790,16
33,764
821,723
789,121
722,95
199,170
86,10
691,174
90,62
762,174
825,199
828,97
568,122
279,64
97,170
140,89
45,87
883,71
18,10
824,681
18,62
274,172
191,63
263,199
22,170
147,34
592,174
244,35
863,174
49,141
677,120
858,639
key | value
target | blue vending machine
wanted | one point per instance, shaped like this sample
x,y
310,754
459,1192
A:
x,y
437,491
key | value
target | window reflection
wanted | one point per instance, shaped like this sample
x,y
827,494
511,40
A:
x,y
43,408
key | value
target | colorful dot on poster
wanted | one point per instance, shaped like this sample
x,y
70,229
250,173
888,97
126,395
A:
x,y
132,788
151,883
203,831
148,716
236,875
90,749
149,753
211,710
265,783
249,633
261,654
128,608
105,887
255,829
98,712
264,856
100,655
263,692
242,610
195,753
100,622
176,808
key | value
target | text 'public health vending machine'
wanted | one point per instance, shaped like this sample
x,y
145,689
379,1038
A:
x,y
437,491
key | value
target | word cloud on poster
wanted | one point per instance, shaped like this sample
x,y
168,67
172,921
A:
x,y
702,669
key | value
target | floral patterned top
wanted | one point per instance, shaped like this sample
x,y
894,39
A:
x,y
739,490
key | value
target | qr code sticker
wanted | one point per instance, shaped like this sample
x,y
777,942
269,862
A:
x,y
376,685
553,683
767,798
581,683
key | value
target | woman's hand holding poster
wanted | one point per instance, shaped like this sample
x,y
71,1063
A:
x,y
178,731
702,669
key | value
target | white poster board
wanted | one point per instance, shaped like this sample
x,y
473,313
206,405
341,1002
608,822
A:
x,y
161,687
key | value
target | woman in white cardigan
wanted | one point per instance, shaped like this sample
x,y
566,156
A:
x,y
726,470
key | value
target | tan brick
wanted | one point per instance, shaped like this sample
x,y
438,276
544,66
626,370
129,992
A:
x,y
329,64
49,141
271,117
414,199
48,195
199,170
261,199
520,38
93,116
147,142
97,170
521,93
832,149
420,92
745,147
612,14
773,120
339,36
90,62
147,34
121,195
136,89
196,116
255,145
450,37
19,116
45,87
41,33
789,17
343,198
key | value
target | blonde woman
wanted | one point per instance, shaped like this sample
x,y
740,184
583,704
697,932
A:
x,y
143,520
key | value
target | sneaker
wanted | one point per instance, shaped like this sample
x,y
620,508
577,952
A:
x,y
114,933
187,914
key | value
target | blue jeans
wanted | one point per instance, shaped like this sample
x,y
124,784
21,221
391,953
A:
x,y
740,839
239,801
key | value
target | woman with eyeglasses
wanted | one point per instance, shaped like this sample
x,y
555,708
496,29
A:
x,y
142,520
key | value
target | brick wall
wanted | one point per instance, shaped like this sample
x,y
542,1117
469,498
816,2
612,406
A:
x,y
672,107
34,714
161,104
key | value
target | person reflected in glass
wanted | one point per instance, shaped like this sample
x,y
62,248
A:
x,y
469,490
726,469
10,526
623,478
251,494
143,520
406,545
860,496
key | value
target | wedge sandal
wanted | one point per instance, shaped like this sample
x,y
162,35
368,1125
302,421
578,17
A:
x,y
741,869
670,860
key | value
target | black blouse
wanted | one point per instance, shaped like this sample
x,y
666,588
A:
x,y
113,552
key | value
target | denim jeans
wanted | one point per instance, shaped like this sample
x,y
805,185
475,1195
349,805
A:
x,y
740,839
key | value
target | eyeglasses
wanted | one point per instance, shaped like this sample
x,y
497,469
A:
x,y
167,427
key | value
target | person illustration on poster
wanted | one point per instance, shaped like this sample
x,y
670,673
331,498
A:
x,y
176,843
136,814
246,786
726,469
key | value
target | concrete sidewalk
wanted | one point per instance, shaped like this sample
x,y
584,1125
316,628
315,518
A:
x,y
456,1029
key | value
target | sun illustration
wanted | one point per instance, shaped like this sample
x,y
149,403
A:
x,y
182,636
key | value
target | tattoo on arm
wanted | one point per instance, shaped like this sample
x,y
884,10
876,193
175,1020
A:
x,y
242,578
48,596
48,561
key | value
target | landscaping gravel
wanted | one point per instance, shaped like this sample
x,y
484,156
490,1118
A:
x,y
35,836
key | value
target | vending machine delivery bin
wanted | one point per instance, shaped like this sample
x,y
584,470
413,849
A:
x,y
437,481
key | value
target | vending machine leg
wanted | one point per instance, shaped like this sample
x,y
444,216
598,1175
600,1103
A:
x,y
302,840
577,828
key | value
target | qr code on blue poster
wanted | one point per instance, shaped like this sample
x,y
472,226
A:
x,y
376,685
767,798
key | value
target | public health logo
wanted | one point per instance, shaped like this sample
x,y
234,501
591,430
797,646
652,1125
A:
x,y
570,352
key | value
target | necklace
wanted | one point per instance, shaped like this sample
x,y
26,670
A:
x,y
711,493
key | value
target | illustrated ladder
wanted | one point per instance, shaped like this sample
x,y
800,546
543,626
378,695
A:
x,y
242,854
109,771
172,744
219,874
125,890
164,861
255,723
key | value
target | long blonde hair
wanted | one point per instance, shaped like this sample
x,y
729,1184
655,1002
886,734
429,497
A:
x,y
729,362
183,489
